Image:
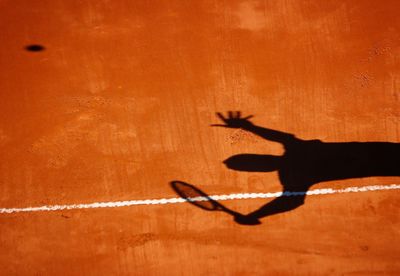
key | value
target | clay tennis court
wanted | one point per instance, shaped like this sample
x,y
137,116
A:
x,y
104,103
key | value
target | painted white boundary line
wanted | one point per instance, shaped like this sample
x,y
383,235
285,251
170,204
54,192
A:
x,y
114,204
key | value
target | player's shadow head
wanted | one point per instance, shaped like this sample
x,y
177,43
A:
x,y
253,162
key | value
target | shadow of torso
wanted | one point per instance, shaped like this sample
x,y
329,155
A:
x,y
307,162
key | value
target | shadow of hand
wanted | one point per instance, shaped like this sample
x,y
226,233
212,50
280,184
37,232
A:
x,y
246,220
234,120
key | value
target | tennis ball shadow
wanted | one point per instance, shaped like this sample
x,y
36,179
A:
x,y
34,48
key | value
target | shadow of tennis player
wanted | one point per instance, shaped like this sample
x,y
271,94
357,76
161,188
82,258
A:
x,y
308,162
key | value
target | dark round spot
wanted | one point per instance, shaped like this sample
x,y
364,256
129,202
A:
x,y
34,48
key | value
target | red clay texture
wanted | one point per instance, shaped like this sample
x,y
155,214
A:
x,y
112,100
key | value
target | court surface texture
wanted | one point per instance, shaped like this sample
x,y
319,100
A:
x,y
103,104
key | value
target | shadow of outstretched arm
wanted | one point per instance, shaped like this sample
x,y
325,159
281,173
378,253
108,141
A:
x,y
288,201
270,134
234,120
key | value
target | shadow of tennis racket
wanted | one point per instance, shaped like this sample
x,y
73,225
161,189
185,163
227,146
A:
x,y
200,199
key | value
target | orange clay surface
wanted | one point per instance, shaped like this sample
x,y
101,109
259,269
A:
x,y
120,101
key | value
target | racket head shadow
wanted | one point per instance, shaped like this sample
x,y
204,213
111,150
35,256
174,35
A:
x,y
195,196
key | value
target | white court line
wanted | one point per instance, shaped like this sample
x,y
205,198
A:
x,y
115,204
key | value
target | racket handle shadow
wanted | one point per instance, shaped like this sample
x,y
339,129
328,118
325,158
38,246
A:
x,y
240,218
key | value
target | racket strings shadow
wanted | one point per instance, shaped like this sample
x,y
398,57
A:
x,y
201,200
